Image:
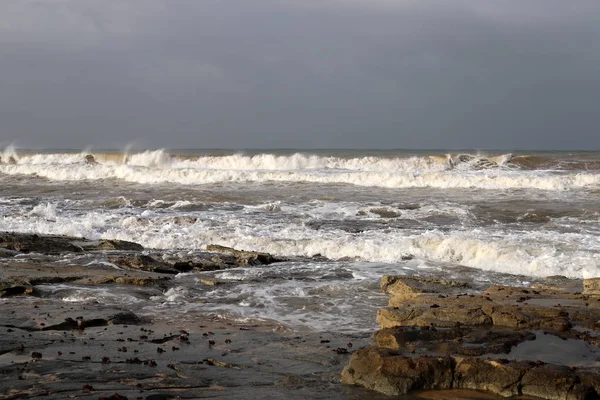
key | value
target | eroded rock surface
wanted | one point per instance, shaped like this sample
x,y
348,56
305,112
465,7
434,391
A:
x,y
478,334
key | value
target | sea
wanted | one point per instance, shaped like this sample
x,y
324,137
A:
x,y
343,218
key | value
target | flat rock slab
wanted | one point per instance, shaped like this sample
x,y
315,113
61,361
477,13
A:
x,y
53,244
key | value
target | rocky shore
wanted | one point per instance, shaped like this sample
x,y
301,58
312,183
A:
x,y
438,339
436,334
53,348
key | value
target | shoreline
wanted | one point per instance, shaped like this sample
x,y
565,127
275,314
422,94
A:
x,y
58,349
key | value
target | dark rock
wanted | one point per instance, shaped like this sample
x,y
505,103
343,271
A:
x,y
385,212
144,263
125,318
244,257
10,288
6,253
115,245
90,159
47,244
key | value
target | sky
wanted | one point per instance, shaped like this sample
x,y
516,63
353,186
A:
x,y
416,74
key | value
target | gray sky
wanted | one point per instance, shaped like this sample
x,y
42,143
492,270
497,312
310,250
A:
x,y
509,74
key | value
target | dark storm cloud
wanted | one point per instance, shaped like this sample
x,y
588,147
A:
x,y
345,73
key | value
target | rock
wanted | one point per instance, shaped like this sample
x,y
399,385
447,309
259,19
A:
x,y
47,244
424,316
591,286
401,287
185,266
114,245
141,281
555,382
53,244
385,212
465,341
90,159
389,372
559,283
492,376
143,263
6,253
244,257
125,318
210,282
436,318
10,288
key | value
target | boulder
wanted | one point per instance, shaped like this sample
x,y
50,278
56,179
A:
x,y
555,382
11,287
389,372
501,378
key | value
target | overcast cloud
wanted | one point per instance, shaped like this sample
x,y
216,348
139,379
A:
x,y
300,73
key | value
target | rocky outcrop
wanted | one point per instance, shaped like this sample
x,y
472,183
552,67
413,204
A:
x,y
48,244
243,257
55,244
389,372
478,335
143,263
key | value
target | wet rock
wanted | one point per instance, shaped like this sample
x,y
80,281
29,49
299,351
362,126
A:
x,y
390,317
401,287
144,263
555,382
114,245
10,288
496,377
139,281
90,159
47,244
125,318
429,318
205,265
389,372
244,257
385,212
559,283
591,286
6,253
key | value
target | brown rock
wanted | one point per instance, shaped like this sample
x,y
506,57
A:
x,y
591,286
556,383
493,376
390,373
425,316
411,286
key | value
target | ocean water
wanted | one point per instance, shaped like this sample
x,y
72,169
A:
x,y
481,216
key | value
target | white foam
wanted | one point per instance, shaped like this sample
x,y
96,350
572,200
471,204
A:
x,y
533,253
158,167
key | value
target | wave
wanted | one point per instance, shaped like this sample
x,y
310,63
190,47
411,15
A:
x,y
432,171
532,253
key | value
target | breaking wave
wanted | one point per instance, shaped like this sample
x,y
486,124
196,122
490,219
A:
x,y
437,171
